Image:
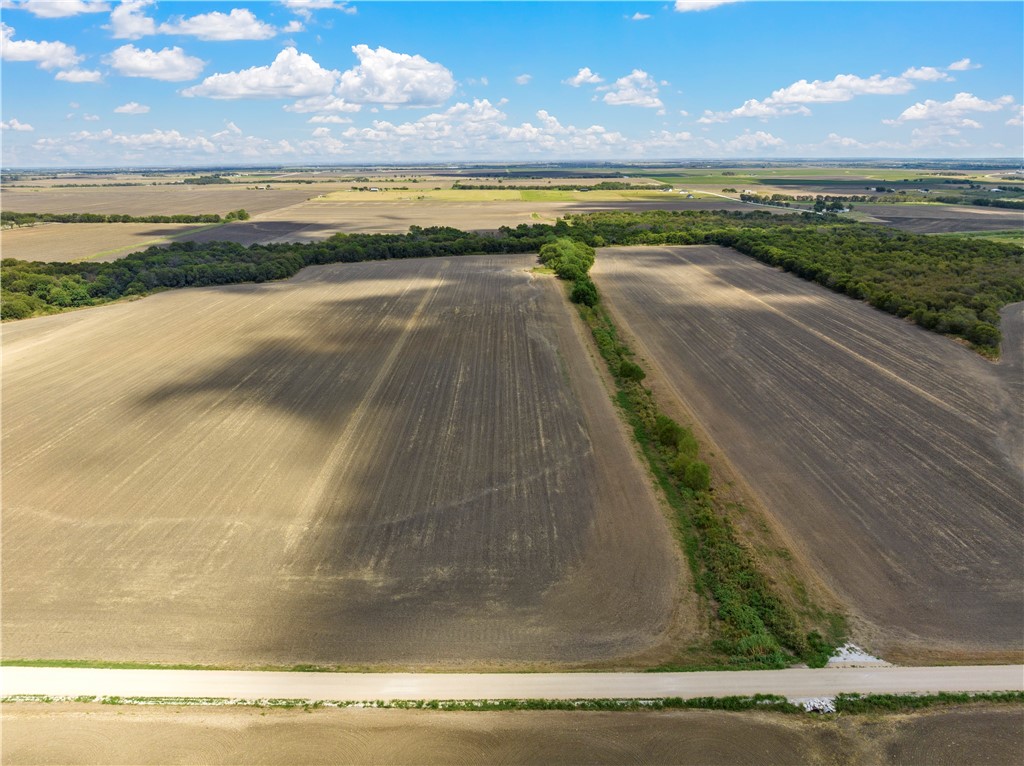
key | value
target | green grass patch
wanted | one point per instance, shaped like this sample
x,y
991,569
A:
x,y
1010,237
902,703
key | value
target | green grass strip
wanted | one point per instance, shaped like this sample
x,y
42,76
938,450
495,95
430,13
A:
x,y
846,704
897,703
755,702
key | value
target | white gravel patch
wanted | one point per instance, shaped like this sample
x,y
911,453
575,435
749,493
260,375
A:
x,y
851,655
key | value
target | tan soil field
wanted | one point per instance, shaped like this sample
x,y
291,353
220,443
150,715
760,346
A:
x,y
87,241
320,218
889,455
403,463
156,200
100,734
937,219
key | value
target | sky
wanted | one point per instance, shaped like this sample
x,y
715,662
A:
x,y
88,83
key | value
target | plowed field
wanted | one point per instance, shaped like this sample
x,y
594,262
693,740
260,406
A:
x,y
101,734
890,455
935,219
407,462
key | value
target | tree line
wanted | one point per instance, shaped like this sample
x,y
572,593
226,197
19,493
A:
x,y
11,219
951,285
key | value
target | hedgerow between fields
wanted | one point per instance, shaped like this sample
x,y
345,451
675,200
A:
x,y
952,285
10,219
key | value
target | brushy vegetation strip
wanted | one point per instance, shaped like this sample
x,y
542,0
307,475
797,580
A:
x,y
849,704
754,702
953,285
755,628
899,703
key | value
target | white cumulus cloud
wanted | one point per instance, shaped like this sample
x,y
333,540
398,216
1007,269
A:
x,y
388,78
332,119
58,9
524,79
290,75
792,99
322,104
583,77
963,65
951,111
305,7
927,73
639,16
47,54
229,130
79,75
750,142
128,21
132,107
15,125
238,24
169,64
635,89
683,6
1018,119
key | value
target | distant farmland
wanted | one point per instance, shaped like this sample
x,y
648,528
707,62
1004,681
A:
x,y
155,200
89,241
408,462
891,456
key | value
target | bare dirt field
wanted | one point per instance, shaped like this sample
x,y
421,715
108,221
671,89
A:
x,y
92,241
319,219
404,463
155,200
98,734
938,219
889,455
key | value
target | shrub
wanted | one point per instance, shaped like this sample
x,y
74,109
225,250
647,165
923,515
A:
x,y
630,371
984,334
668,431
14,307
697,476
584,291
687,445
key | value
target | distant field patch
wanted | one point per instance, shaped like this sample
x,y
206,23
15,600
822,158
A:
x,y
88,241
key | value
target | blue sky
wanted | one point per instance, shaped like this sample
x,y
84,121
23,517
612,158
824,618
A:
x,y
90,83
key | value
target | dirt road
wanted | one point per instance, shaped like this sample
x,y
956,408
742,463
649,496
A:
x,y
794,683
